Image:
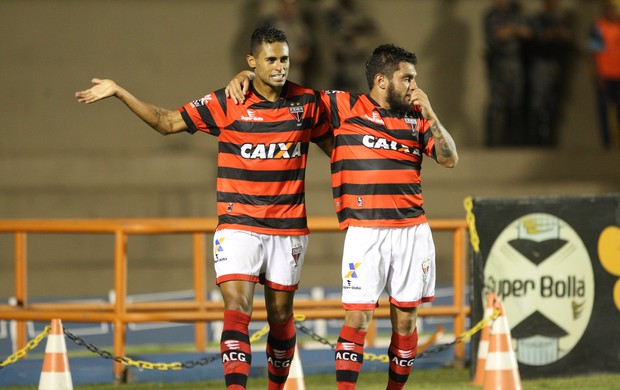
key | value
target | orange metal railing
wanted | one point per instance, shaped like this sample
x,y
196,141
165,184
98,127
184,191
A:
x,y
199,310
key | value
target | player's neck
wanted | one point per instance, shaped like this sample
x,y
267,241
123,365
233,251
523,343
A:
x,y
268,92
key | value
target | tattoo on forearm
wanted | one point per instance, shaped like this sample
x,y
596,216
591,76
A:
x,y
443,146
157,116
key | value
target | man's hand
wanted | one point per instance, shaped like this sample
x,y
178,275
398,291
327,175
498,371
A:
x,y
419,98
239,86
102,89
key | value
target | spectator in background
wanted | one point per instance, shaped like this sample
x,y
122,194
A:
x,y
352,37
604,44
547,62
505,30
289,17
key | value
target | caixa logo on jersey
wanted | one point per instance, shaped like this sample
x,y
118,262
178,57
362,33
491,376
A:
x,y
276,150
540,268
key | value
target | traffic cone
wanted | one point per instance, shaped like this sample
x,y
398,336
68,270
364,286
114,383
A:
x,y
483,345
295,379
55,374
502,370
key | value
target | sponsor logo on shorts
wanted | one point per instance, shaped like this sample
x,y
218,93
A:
x,y
350,286
217,249
352,269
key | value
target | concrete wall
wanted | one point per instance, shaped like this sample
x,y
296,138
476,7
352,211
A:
x,y
61,159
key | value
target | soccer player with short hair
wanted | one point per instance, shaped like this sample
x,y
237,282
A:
x,y
262,230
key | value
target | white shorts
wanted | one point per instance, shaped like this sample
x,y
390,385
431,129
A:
x,y
400,261
274,261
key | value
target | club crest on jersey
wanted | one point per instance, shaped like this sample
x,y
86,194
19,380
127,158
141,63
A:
x,y
411,122
296,111
296,252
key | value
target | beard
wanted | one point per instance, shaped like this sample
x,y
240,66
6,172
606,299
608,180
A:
x,y
396,102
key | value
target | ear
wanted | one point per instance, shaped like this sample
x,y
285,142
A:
x,y
251,61
381,81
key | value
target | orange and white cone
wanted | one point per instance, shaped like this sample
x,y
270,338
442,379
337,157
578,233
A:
x,y
483,345
55,374
295,379
502,370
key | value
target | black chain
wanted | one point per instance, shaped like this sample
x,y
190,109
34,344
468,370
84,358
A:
x,y
322,340
127,361
217,357
299,325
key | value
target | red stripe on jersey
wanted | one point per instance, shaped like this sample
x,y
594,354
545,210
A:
x,y
234,161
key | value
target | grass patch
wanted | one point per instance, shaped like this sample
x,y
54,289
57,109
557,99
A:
x,y
441,378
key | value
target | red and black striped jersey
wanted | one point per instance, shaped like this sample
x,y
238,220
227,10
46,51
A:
x,y
376,161
262,153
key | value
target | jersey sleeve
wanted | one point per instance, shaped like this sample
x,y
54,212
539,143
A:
x,y
206,114
425,138
322,128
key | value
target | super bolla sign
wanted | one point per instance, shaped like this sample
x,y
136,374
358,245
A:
x,y
553,261
541,270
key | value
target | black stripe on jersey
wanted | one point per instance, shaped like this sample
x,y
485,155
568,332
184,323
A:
x,y
353,98
379,164
271,223
377,189
271,127
333,107
207,118
374,214
425,137
220,94
356,120
261,176
191,128
260,200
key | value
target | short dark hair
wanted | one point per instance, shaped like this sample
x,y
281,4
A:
x,y
386,59
266,34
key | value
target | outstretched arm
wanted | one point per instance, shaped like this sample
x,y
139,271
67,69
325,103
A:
x,y
444,144
162,120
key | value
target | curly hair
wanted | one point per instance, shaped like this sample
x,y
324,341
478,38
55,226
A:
x,y
386,59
